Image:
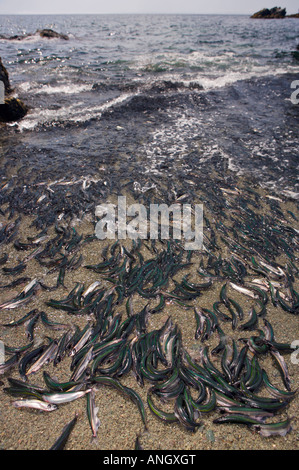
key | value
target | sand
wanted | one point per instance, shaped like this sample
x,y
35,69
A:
x,y
119,417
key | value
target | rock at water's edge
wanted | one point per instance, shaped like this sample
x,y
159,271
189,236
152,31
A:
x,y
273,13
13,109
5,78
43,33
49,33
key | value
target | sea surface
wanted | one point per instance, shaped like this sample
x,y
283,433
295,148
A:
x,y
152,96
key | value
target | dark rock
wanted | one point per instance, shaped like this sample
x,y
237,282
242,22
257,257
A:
x,y
295,55
273,13
16,37
43,33
5,78
49,33
13,109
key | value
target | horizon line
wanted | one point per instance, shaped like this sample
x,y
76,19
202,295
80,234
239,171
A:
x,y
131,13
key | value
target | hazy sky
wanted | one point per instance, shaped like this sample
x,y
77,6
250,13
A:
x,y
142,6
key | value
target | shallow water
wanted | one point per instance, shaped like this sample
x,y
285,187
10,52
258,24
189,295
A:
x,y
169,93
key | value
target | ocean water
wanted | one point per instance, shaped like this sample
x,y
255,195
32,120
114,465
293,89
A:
x,y
152,96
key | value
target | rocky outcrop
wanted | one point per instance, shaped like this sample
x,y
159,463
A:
x,y
13,109
273,13
16,37
43,33
5,78
49,33
295,53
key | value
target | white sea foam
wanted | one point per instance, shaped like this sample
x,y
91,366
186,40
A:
x,y
77,112
170,141
231,77
213,80
65,88
68,89
213,71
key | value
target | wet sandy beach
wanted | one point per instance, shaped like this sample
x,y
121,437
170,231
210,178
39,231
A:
x,y
120,420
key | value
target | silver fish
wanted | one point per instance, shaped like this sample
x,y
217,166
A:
x,y
4,367
23,297
34,253
83,340
31,285
243,290
275,270
64,397
92,411
168,352
254,412
274,429
82,365
35,404
15,303
91,288
47,356
283,367
202,321
165,332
